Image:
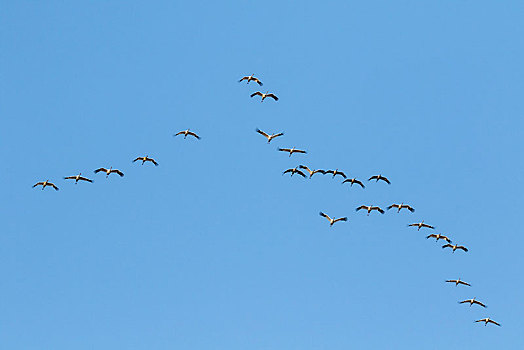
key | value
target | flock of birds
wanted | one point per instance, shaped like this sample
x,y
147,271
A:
x,y
300,171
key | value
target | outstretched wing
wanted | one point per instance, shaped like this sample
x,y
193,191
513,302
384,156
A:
x,y
325,216
491,321
385,179
392,206
38,184
273,96
277,135
85,179
341,174
379,210
300,173
462,247
258,81
341,219
447,245
244,78
359,183
194,135
179,133
284,150
53,185
153,161
137,158
432,236
258,93
100,169
361,207
479,303
262,133
118,172
70,178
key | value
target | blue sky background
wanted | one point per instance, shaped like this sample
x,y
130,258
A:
x,y
214,249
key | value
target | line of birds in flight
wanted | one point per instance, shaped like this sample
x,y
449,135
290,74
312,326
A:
x,y
298,170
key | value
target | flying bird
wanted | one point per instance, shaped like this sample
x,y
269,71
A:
x,y
370,208
336,172
77,178
332,221
145,159
439,236
267,94
488,320
458,281
471,302
44,184
294,171
269,137
422,224
311,172
401,206
354,181
187,132
455,247
291,150
251,77
379,177
109,171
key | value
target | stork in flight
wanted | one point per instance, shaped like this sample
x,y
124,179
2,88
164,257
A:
x,y
419,225
379,177
369,208
488,320
109,171
44,184
187,132
311,172
458,281
455,247
336,172
267,94
439,236
251,77
291,150
354,181
471,302
332,221
146,159
294,171
77,178
269,137
401,206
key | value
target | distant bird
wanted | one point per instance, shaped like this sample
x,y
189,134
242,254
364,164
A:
x,y
354,181
44,184
294,171
311,172
291,150
269,137
78,178
251,77
488,320
379,177
422,224
267,94
455,247
439,236
332,221
109,171
145,159
370,208
471,302
458,281
336,172
401,206
187,132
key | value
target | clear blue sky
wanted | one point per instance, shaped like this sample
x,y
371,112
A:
x,y
214,249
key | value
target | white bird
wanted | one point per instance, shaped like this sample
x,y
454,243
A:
x,y
77,178
251,77
187,132
145,159
488,320
269,137
291,150
267,94
44,184
419,225
332,221
109,171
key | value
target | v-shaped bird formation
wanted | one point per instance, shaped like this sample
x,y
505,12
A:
x,y
301,170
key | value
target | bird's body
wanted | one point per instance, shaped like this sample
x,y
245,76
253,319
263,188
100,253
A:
x,y
77,178
336,172
294,171
379,177
268,136
311,172
455,247
46,183
401,206
471,302
251,78
187,132
439,236
354,181
458,281
332,221
419,225
146,159
267,94
488,320
370,208
109,171
291,150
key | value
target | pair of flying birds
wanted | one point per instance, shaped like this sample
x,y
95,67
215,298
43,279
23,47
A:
x,y
251,77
